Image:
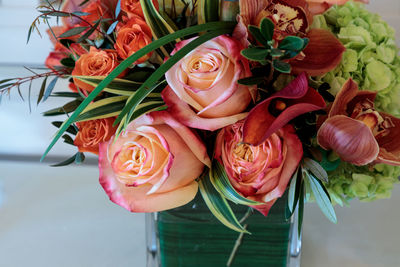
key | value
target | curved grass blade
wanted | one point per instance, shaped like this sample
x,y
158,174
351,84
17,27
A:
x,y
144,90
218,205
221,183
117,86
128,62
105,108
158,25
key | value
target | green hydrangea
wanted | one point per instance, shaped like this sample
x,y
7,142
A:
x,y
366,183
371,56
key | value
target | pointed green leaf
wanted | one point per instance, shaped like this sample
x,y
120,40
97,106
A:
x,y
42,88
105,108
73,32
316,169
50,88
301,210
71,129
65,162
218,205
251,80
117,86
89,32
322,198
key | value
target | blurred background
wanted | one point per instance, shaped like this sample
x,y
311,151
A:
x,y
61,216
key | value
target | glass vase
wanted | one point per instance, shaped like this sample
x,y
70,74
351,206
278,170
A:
x,y
190,236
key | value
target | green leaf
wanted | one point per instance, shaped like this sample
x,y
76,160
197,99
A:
x,y
226,26
6,85
71,129
117,86
148,107
68,139
255,53
80,13
294,191
316,169
68,62
256,32
67,108
281,66
78,158
267,28
218,205
118,9
301,209
145,88
159,26
251,80
221,183
293,43
322,198
89,32
105,108
42,88
66,94
6,80
112,27
73,32
50,88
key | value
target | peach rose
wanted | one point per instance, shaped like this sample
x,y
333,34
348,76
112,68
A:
x,y
131,37
133,8
92,133
95,63
203,92
262,172
153,165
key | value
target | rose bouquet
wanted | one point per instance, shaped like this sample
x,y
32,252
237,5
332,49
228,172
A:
x,y
238,100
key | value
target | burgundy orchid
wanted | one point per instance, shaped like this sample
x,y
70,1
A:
x,y
357,132
292,17
295,99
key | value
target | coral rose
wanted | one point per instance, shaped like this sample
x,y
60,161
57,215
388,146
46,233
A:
x,y
203,92
153,165
92,133
133,36
133,8
262,172
95,63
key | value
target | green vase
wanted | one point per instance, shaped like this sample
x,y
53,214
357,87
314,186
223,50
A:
x,y
190,236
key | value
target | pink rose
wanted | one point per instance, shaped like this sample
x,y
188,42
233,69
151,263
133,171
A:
x,y
262,172
153,165
203,92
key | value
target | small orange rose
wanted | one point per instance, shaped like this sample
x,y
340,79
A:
x,y
133,8
92,133
95,63
133,36
96,10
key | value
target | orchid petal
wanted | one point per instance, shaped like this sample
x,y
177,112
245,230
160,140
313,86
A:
x,y
322,54
260,124
351,139
390,144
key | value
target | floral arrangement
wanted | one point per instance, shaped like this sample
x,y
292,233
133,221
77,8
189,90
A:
x,y
240,100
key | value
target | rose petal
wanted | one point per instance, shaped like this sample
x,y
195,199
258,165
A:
x,y
322,54
260,124
188,117
135,199
351,139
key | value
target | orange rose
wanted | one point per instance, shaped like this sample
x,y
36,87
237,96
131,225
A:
x,y
133,36
133,8
92,133
95,63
